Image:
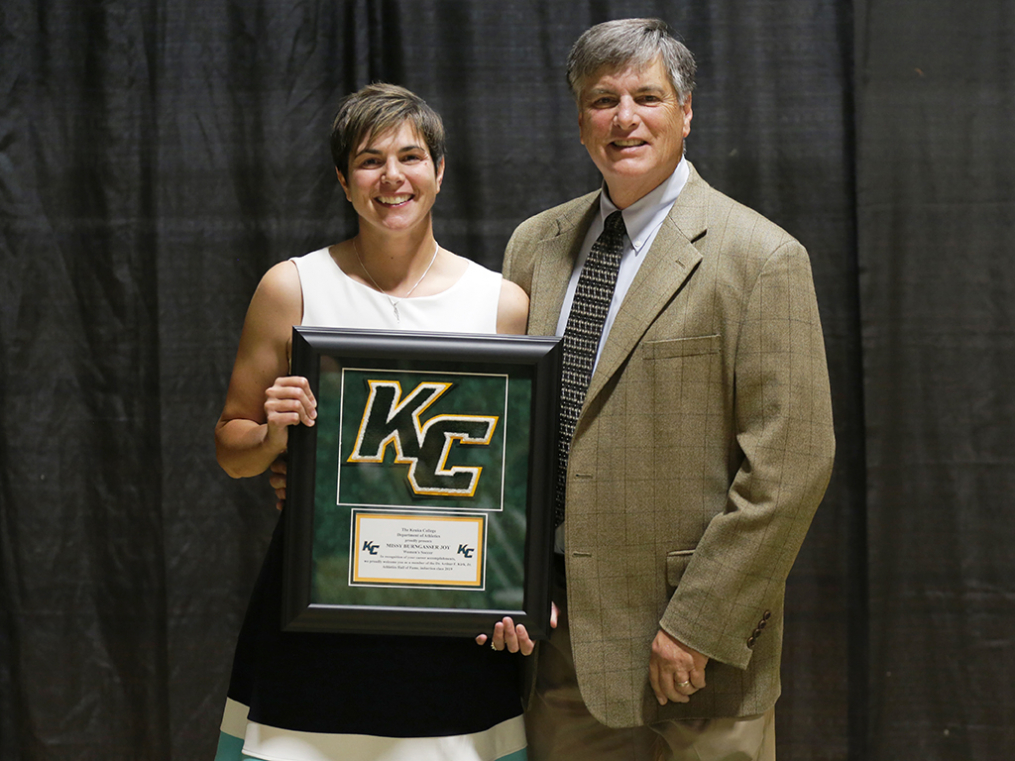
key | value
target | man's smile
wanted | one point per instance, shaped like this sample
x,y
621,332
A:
x,y
627,143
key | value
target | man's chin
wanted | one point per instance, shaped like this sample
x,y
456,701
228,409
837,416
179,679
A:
x,y
630,171
629,162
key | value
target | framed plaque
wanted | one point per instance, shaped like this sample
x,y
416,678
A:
x,y
421,500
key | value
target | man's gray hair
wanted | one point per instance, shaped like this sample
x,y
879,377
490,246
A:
x,y
636,42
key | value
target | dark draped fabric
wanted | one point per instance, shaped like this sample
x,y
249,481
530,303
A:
x,y
157,157
936,212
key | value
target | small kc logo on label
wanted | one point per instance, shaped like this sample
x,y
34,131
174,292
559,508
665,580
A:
x,y
464,549
370,547
424,445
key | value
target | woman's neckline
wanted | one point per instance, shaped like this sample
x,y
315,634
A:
x,y
387,298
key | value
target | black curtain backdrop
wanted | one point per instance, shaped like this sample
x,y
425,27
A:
x,y
936,211
157,157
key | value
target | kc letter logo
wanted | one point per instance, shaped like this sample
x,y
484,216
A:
x,y
424,445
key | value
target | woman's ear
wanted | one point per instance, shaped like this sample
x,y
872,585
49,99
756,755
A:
x,y
440,174
343,183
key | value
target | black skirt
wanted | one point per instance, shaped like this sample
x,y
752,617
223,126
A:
x,y
392,686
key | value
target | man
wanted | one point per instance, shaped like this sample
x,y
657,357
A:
x,y
700,444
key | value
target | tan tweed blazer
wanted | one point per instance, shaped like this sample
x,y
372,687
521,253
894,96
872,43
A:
x,y
703,449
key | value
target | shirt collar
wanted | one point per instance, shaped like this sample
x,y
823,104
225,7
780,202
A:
x,y
644,216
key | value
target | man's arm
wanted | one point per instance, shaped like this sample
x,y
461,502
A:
x,y
518,262
784,430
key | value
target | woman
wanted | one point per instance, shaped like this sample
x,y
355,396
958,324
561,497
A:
x,y
343,696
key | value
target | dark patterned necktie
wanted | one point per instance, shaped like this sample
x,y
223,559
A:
x,y
584,329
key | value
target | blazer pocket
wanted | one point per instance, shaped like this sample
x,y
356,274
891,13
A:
x,y
683,347
676,564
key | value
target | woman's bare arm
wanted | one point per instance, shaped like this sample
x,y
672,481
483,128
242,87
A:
x,y
263,399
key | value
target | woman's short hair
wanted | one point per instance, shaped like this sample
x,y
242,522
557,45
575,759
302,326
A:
x,y
378,108
630,42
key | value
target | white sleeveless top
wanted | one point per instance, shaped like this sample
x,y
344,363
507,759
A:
x,y
333,299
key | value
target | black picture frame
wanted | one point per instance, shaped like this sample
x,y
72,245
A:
x,y
324,519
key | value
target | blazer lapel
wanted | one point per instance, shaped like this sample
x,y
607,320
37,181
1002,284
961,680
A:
x,y
554,264
668,264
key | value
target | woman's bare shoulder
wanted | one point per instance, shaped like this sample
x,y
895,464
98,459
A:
x,y
512,309
281,283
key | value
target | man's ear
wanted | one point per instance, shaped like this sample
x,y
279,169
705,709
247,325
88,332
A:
x,y
343,183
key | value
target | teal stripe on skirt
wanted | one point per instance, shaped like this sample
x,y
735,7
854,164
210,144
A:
x,y
231,749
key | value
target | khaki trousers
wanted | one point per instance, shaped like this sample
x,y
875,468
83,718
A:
x,y
560,727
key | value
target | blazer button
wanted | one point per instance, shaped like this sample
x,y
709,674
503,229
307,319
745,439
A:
x,y
762,624
757,633
750,642
767,615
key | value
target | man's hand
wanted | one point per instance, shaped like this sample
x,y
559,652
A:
x,y
675,670
277,479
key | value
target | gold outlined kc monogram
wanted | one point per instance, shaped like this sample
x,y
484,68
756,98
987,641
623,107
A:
x,y
424,446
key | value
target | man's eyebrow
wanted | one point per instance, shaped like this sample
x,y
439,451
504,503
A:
x,y
612,91
650,87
